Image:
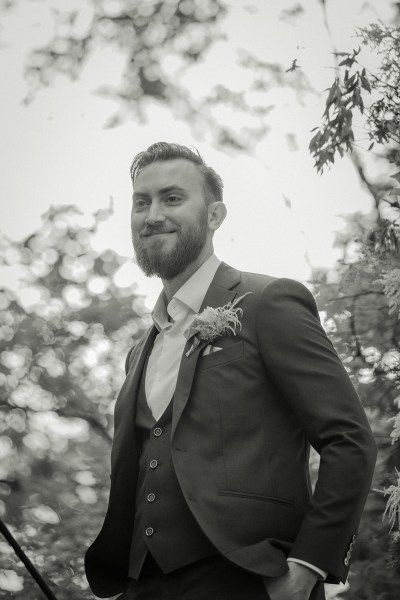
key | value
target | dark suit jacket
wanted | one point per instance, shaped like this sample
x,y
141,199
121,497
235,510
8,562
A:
x,y
243,421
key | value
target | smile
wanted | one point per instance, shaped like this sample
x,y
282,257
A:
x,y
158,234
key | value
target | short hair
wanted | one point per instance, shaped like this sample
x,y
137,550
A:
x,y
160,151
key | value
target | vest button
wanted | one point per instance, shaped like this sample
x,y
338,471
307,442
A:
x,y
157,431
153,464
149,531
151,497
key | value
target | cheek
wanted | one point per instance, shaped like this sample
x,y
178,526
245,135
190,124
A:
x,y
137,221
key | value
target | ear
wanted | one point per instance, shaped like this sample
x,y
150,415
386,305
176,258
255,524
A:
x,y
216,215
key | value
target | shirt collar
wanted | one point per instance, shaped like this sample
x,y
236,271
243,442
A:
x,y
189,297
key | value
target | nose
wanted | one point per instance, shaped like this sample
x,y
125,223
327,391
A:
x,y
155,214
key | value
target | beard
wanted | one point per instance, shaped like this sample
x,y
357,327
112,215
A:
x,y
154,261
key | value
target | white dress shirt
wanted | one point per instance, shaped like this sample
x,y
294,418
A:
x,y
165,357
163,365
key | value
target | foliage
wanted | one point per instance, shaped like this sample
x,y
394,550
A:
x,y
64,336
347,93
393,504
391,286
161,44
366,334
362,304
158,40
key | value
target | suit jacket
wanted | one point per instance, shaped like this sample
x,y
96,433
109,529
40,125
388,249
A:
x,y
243,422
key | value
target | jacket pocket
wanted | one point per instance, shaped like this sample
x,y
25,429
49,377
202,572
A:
x,y
221,357
250,496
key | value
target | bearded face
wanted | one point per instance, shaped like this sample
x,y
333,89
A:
x,y
170,219
165,250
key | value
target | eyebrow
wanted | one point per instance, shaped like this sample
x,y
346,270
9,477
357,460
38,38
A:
x,y
165,190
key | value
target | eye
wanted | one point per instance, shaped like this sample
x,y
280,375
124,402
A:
x,y
172,199
140,203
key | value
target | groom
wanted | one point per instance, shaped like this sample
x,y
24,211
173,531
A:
x,y
210,493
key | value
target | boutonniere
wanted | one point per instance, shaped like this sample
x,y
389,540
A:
x,y
213,322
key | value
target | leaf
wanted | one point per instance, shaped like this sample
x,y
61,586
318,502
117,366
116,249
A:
x,y
371,146
356,97
365,83
324,137
332,95
315,140
396,176
352,87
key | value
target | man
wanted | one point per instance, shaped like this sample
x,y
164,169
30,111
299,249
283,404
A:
x,y
210,494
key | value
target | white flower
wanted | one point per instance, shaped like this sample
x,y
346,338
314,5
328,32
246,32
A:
x,y
214,322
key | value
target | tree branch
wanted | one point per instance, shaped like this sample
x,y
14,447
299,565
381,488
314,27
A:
x,y
354,156
358,295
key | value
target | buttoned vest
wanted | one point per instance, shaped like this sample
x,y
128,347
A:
x,y
163,525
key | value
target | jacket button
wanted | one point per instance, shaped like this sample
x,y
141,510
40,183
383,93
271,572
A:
x,y
149,531
346,561
151,497
153,464
157,431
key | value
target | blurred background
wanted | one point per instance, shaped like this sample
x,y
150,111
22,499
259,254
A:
x,y
86,84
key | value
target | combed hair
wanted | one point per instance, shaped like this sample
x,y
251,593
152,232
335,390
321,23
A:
x,y
160,151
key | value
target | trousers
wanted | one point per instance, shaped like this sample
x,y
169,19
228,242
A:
x,y
213,578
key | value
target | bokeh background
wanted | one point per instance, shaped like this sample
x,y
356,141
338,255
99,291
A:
x,y
85,86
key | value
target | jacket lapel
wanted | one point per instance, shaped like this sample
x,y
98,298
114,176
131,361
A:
x,y
219,293
125,408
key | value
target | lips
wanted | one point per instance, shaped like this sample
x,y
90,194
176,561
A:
x,y
157,233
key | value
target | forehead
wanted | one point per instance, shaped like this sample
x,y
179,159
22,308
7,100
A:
x,y
166,173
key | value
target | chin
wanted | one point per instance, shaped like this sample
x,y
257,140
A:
x,y
160,247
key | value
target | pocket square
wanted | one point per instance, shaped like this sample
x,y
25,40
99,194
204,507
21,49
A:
x,y
210,349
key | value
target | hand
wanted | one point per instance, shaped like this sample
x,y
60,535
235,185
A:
x,y
297,583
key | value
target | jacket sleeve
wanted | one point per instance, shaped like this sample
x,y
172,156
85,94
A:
x,y
304,366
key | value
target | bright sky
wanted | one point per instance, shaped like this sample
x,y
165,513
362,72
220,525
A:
x,y
57,151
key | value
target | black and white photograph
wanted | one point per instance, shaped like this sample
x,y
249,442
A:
x,y
200,300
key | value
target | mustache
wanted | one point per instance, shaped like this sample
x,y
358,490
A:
x,y
153,230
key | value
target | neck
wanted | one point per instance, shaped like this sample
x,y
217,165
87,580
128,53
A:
x,y
171,286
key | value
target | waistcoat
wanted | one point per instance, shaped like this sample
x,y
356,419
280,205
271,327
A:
x,y
163,525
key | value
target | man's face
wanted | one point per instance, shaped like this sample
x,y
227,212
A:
x,y
169,217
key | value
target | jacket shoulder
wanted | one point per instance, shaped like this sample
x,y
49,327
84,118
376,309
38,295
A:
x,y
259,282
256,281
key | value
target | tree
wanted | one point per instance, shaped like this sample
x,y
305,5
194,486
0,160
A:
x,y
63,342
146,33
362,306
161,43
